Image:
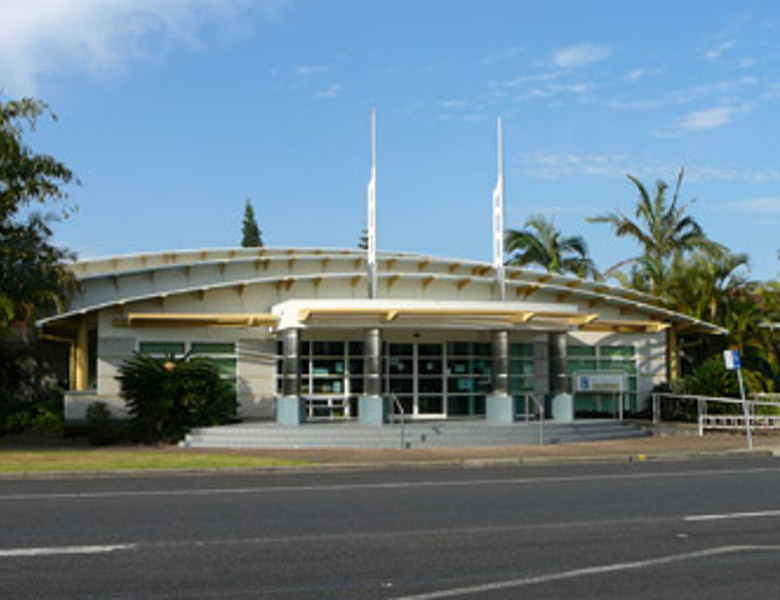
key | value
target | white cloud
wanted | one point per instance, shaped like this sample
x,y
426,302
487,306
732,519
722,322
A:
x,y
581,54
708,119
501,55
558,165
746,62
759,205
40,37
452,103
305,70
718,50
635,74
328,93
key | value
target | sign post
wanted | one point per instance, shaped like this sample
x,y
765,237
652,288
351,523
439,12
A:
x,y
734,362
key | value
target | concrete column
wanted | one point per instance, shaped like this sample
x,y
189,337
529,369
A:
x,y
291,375
372,362
562,403
499,405
81,360
500,363
559,381
372,407
290,407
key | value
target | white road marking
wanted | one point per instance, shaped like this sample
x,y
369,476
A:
x,y
613,568
734,515
379,486
60,550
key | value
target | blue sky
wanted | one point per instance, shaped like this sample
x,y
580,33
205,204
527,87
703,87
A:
x,y
173,112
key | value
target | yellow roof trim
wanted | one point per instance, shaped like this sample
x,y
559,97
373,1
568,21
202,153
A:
x,y
223,319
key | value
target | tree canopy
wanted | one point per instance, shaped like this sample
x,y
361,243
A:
x,y
663,231
33,277
251,236
540,243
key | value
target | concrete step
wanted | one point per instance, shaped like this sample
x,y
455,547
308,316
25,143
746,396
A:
x,y
416,435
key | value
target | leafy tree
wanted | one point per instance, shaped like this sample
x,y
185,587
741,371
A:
x,y
166,398
704,285
251,236
33,277
541,243
662,229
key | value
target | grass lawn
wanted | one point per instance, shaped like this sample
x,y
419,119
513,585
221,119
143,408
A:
x,y
36,461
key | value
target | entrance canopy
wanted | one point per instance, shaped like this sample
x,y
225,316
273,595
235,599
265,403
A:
x,y
314,313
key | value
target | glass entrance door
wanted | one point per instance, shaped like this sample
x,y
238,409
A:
x,y
415,373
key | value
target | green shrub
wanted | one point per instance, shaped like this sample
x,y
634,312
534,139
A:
x,y
166,398
18,422
46,421
102,430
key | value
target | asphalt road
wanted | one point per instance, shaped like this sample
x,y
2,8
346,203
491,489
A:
x,y
706,529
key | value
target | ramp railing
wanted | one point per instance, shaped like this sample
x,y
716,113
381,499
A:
x,y
720,413
397,409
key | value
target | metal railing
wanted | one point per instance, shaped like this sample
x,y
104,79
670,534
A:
x,y
395,405
722,419
529,397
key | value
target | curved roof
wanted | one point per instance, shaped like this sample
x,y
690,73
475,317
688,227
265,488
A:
x,y
121,281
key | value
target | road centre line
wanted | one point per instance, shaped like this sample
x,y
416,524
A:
x,y
378,486
589,571
62,550
734,515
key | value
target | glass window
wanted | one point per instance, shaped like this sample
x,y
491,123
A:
x,y
521,350
581,365
524,367
356,349
618,365
226,367
429,386
430,404
618,351
328,348
429,349
401,350
580,351
327,366
402,385
213,348
401,366
161,347
429,366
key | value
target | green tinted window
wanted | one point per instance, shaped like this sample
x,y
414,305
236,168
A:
x,y
618,351
521,350
580,351
226,367
213,348
161,347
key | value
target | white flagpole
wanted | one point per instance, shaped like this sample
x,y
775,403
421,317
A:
x,y
498,218
372,275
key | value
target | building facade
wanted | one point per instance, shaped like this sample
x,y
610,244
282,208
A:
x,y
295,333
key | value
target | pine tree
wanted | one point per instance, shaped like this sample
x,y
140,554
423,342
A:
x,y
251,236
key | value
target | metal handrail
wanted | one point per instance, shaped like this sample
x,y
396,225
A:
x,y
396,403
701,407
540,406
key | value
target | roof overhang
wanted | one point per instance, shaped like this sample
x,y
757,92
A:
x,y
389,313
135,319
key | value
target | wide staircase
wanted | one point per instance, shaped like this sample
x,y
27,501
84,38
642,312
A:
x,y
428,434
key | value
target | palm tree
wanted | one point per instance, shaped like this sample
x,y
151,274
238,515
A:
x,y
663,231
702,285
541,243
